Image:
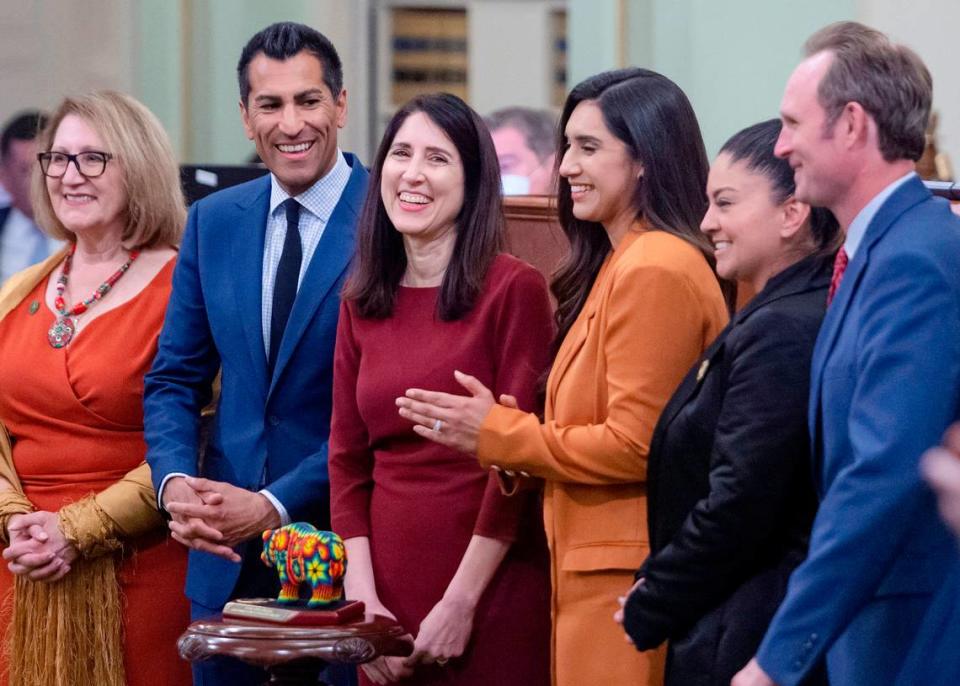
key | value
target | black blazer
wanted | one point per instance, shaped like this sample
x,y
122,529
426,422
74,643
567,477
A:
x,y
731,497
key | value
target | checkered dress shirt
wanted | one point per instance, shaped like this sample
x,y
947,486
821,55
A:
x,y
317,203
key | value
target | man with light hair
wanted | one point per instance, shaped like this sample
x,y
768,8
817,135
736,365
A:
x,y
885,375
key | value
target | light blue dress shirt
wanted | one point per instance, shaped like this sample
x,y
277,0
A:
x,y
858,227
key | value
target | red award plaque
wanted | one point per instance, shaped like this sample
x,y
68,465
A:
x,y
269,610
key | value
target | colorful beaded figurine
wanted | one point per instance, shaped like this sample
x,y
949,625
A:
x,y
302,554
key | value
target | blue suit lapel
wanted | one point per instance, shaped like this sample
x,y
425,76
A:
x,y
246,250
829,330
906,196
329,261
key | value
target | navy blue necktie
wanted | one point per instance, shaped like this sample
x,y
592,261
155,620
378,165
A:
x,y
288,274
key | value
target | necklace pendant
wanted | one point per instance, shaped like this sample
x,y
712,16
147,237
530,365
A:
x,y
61,332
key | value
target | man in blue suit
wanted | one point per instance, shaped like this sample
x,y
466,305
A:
x,y
886,367
255,297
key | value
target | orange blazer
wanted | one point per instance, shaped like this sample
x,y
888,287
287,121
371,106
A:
x,y
653,309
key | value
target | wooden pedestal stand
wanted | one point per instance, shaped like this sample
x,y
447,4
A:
x,y
293,655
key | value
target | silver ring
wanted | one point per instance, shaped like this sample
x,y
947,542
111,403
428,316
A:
x,y
437,425
442,661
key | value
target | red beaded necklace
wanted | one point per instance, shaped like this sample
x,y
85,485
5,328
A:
x,y
64,328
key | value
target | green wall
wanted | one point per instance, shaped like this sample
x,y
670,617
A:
x,y
731,58
202,116
160,65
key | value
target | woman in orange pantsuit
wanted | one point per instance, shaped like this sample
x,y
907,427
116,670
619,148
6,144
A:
x,y
637,304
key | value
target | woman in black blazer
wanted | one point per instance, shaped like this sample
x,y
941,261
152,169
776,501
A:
x,y
731,496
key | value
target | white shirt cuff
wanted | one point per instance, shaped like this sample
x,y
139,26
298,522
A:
x,y
281,510
163,484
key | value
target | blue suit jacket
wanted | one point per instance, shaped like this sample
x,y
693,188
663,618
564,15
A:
x,y
268,431
885,384
935,658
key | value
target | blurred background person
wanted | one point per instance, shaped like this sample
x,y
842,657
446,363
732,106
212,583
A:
x,y
430,538
941,467
731,497
936,661
638,302
22,243
98,587
525,139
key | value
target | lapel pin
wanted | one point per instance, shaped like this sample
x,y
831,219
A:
x,y
34,306
702,372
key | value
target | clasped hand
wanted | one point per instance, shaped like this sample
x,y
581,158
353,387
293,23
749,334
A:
x,y
214,516
384,669
443,635
38,549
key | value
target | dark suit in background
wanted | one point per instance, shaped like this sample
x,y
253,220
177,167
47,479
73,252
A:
x,y
731,497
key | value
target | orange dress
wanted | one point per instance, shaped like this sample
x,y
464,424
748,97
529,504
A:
x,y
76,418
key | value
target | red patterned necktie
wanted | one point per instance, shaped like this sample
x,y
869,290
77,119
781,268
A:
x,y
839,267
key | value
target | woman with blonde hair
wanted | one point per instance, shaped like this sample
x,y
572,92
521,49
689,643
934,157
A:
x,y
97,588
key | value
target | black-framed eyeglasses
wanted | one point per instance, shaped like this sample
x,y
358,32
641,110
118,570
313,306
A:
x,y
89,164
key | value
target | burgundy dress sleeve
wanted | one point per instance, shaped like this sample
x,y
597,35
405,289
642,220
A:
x,y
521,346
350,459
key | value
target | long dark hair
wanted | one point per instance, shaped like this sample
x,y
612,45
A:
x,y
651,115
754,147
380,260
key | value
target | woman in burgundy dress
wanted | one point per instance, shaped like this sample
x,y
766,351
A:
x,y
430,538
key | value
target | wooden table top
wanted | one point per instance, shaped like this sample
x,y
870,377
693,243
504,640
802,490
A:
x,y
269,645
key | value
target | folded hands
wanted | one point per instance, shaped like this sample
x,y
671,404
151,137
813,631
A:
x,y
214,516
38,548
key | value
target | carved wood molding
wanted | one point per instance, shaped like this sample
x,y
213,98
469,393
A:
x,y
538,207
271,645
